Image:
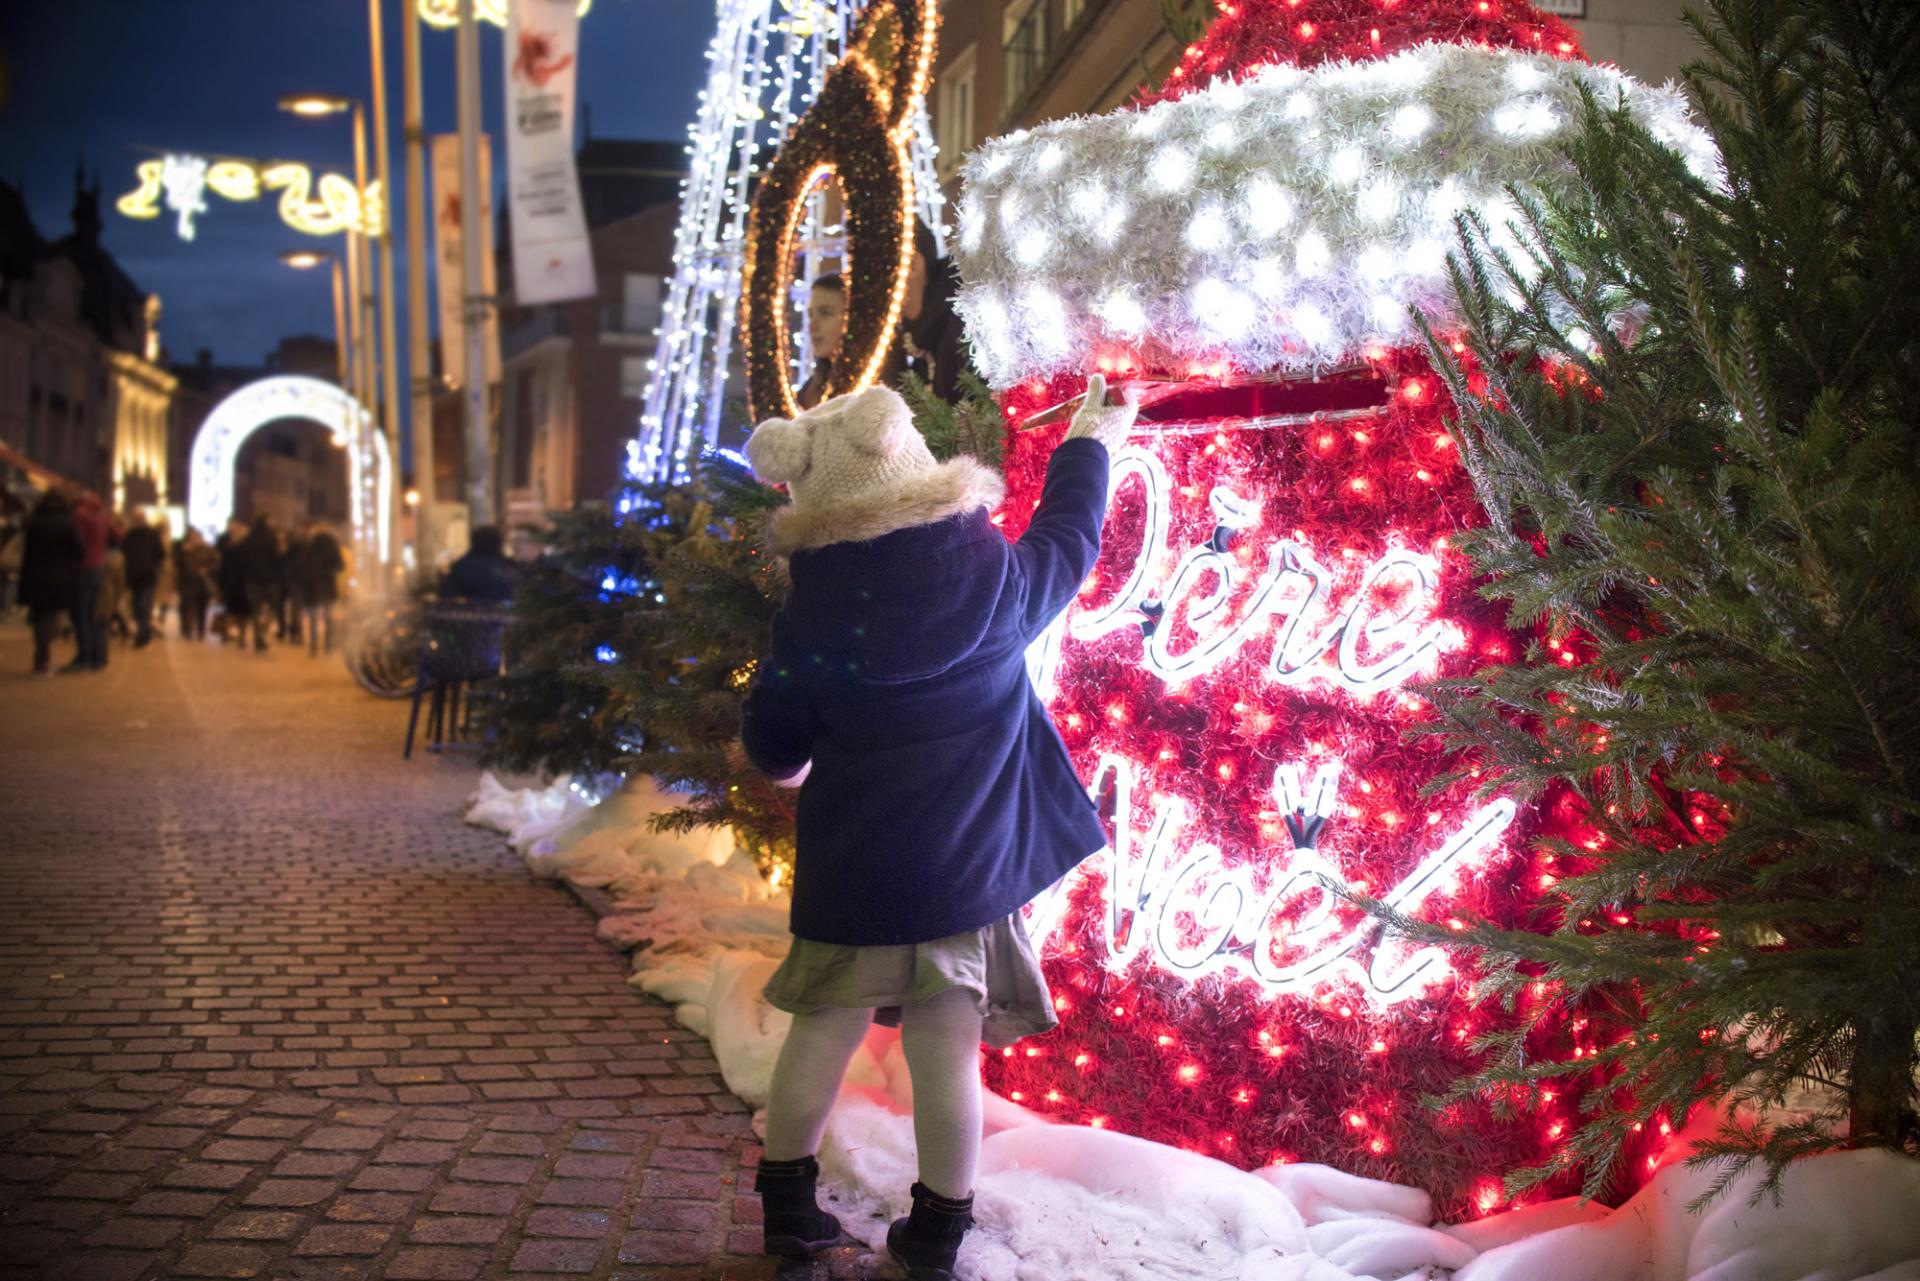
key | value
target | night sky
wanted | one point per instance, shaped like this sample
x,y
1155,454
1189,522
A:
x,y
93,81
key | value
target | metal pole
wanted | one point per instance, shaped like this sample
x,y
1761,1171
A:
x,y
339,322
418,357
356,358
389,362
369,391
473,315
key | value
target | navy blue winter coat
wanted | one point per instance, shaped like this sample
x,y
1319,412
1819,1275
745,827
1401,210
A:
x,y
941,798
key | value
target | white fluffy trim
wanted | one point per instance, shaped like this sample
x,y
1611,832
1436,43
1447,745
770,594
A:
x,y
956,486
1284,222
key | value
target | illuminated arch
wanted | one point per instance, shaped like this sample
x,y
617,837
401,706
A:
x,y
369,467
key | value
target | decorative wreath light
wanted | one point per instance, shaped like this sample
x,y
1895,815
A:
x,y
1278,222
858,130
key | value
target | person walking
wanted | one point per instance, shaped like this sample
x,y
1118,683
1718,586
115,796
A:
x,y
96,532
260,564
51,556
13,548
320,587
144,551
231,580
937,798
293,581
195,566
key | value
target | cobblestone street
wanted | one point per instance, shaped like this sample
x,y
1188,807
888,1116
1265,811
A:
x,y
270,1010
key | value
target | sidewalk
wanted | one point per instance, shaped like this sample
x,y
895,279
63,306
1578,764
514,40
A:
x,y
268,1010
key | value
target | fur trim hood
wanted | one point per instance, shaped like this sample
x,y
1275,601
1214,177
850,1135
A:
x,y
920,498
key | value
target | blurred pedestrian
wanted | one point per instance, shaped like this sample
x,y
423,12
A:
x,y
260,564
95,529
320,586
51,556
143,552
485,572
13,549
195,566
231,580
293,580
113,587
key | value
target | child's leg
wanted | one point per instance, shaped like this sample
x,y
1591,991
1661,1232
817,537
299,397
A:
x,y
941,1038
807,1079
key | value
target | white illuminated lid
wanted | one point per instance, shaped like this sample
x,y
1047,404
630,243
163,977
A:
x,y
1284,222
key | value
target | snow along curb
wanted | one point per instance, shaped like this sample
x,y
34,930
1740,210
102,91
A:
x,y
1068,1203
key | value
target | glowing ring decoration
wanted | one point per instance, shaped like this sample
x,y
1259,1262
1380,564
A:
x,y
216,448
858,130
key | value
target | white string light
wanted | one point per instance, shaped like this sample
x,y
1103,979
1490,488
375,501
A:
x,y
765,65
1349,173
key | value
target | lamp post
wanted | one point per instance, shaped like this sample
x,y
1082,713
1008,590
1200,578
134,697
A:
x,y
360,281
306,260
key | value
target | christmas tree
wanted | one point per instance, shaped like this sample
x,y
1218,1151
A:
x,y
592,600
1700,474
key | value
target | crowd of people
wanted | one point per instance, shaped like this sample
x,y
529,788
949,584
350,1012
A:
x,y
84,572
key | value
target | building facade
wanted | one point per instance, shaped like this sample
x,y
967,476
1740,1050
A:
x,y
83,392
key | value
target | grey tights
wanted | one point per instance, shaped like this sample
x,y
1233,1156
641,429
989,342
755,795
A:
x,y
941,1037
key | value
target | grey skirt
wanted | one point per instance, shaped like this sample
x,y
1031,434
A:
x,y
995,962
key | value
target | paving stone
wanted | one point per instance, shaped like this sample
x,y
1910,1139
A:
x,y
664,1247
554,1222
436,1265
292,1192
393,1178
259,1225
133,1234
222,1261
344,1239
370,1207
458,1229
558,1256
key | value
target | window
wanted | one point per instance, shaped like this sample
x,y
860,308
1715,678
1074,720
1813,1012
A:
x,y
1023,50
1074,11
640,304
633,376
955,135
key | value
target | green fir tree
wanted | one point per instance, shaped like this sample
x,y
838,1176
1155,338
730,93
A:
x,y
1697,442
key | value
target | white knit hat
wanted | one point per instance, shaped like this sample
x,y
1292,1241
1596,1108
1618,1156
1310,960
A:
x,y
856,467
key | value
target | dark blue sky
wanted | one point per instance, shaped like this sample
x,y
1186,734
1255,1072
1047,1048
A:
x,y
94,80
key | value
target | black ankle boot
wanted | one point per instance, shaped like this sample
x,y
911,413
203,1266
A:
x,y
928,1240
795,1225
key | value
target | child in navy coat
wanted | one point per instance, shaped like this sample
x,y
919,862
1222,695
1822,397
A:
x,y
936,798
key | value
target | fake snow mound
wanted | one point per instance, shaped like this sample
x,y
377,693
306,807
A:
x,y
1067,1203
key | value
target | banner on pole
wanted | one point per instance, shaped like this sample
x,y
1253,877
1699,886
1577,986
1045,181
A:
x,y
552,258
448,249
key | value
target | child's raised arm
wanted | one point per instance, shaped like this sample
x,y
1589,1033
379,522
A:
x,y
1062,542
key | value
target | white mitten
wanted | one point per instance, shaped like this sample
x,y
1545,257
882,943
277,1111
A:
x,y
1108,424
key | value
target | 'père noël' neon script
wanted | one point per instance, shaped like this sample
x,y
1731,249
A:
x,y
1373,646
1172,896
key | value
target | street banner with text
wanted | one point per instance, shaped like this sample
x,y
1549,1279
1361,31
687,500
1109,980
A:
x,y
552,258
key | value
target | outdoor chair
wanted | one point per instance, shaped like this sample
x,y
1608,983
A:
x,y
460,650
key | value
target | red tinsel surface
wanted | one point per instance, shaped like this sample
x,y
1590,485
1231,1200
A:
x,y
1247,34
1223,1064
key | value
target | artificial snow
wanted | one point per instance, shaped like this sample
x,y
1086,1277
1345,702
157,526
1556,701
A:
x,y
1070,1203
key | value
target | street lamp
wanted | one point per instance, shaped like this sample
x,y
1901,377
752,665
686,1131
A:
x,y
360,263
307,260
